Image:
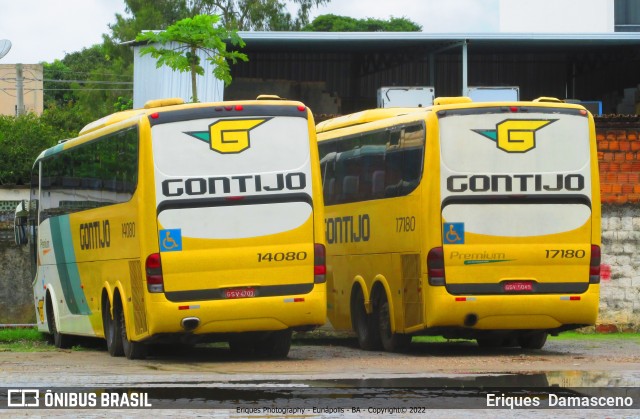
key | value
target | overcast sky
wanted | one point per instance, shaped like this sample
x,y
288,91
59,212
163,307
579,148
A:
x,y
45,30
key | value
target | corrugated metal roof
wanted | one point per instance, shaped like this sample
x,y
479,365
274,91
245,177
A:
x,y
353,65
271,39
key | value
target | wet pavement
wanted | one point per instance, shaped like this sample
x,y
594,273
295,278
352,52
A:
x,y
335,380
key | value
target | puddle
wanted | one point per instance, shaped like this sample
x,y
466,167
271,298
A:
x,y
461,391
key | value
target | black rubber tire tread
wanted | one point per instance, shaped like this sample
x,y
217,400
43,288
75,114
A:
x,y
131,349
364,324
112,332
276,345
58,339
533,340
391,342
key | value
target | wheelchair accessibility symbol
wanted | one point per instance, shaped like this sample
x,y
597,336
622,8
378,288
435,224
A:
x,y
453,233
170,240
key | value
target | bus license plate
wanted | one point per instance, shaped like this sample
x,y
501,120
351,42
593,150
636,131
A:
x,y
520,286
239,293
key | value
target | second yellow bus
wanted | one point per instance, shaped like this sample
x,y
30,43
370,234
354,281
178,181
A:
x,y
466,220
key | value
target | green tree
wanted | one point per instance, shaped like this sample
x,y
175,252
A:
x,y
22,138
242,15
147,15
200,33
83,85
335,23
258,15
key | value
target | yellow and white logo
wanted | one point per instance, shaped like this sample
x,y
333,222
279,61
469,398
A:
x,y
229,136
515,135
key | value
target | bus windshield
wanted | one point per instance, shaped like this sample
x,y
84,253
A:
x,y
537,156
203,166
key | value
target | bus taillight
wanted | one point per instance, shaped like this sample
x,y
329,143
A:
x,y
594,265
153,268
319,264
435,266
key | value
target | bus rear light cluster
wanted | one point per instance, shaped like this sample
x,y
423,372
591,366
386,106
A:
x,y
319,263
153,269
435,266
594,265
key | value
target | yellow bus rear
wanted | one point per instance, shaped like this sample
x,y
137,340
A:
x,y
488,227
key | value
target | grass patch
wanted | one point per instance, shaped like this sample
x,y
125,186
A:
x,y
597,336
21,335
562,336
435,339
23,340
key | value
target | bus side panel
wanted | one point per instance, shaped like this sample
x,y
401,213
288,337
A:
x,y
58,272
387,231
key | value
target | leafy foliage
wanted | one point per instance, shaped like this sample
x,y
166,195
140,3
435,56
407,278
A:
x,y
335,23
200,33
22,138
257,15
123,104
82,86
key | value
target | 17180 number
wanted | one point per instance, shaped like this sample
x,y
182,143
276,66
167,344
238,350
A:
x,y
565,254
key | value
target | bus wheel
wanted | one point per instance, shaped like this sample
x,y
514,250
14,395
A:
x,y
242,346
533,340
276,345
363,324
131,349
391,342
111,330
60,340
490,342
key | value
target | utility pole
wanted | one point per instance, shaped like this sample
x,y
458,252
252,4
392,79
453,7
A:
x,y
19,91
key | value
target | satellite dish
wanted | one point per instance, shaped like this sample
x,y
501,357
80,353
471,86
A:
x,y
5,46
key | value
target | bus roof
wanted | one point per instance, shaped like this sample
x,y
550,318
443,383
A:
x,y
363,117
151,107
440,104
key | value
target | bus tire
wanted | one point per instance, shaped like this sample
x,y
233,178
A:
x,y
60,340
131,349
391,342
111,331
364,324
242,346
533,340
490,342
276,345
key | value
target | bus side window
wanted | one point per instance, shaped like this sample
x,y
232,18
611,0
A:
x,y
413,139
377,183
327,168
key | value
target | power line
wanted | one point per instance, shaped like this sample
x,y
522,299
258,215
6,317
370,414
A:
x,y
85,72
67,81
82,81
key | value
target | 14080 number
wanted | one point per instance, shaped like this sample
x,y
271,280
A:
x,y
281,256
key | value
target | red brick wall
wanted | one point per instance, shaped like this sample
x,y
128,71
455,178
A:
x,y
619,158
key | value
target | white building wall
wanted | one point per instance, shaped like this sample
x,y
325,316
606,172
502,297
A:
x,y
557,16
150,82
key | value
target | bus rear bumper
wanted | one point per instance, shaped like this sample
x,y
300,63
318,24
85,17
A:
x,y
297,312
512,312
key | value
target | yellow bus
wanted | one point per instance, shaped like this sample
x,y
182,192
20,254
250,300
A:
x,y
465,220
180,223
